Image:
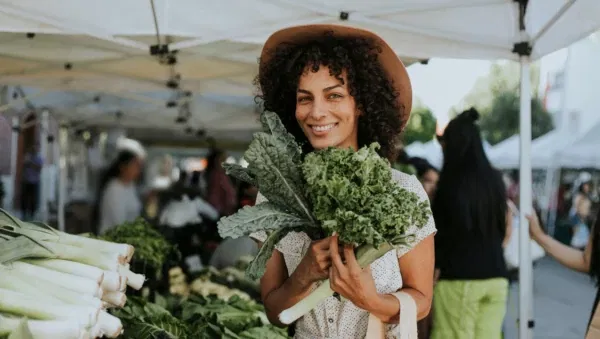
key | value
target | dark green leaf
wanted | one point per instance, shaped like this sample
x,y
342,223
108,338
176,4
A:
x,y
262,217
256,269
240,173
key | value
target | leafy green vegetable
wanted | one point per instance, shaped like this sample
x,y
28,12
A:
x,y
275,166
352,194
151,247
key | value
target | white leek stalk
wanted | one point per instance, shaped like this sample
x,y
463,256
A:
x,y
123,286
110,325
96,245
103,260
22,304
44,290
45,329
134,280
71,267
112,281
117,299
68,281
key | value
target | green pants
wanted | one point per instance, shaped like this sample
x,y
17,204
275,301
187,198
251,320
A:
x,y
469,309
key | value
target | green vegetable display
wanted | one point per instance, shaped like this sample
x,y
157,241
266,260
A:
x,y
151,247
331,190
196,317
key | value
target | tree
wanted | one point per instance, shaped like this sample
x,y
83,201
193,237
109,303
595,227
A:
x,y
421,126
496,97
502,77
501,120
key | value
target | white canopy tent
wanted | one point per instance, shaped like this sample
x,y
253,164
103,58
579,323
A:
x,y
583,152
505,155
85,47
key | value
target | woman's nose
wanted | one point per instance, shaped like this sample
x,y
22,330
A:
x,y
319,109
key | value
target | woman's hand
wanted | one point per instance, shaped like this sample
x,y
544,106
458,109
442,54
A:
x,y
535,230
349,279
316,262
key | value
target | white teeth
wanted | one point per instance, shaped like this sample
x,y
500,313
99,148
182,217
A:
x,y
323,128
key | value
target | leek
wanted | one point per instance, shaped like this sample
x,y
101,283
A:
x,y
71,267
47,290
365,256
69,281
110,326
134,280
117,299
29,306
112,281
47,329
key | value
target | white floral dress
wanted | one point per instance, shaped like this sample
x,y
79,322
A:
x,y
335,319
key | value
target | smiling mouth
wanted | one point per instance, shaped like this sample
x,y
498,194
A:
x,y
323,128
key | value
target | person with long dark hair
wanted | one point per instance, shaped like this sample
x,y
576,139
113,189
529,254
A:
x,y
470,212
586,260
119,200
221,193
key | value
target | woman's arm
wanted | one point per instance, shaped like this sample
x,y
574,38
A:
x,y
566,255
358,285
280,292
509,227
417,267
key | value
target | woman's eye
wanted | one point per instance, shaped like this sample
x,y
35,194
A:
x,y
335,96
303,99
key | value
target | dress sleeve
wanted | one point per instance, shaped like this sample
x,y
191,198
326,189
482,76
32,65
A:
x,y
412,184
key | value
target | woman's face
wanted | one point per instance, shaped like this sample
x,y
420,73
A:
x,y
429,181
585,188
131,171
325,110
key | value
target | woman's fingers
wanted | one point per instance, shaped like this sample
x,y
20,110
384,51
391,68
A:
x,y
351,262
336,259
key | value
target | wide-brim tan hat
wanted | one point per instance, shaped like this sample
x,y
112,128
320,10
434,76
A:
x,y
389,60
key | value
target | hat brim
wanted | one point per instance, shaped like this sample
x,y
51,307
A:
x,y
389,60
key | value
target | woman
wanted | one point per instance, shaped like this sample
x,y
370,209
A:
x,y
427,174
119,200
220,190
336,86
580,260
470,211
580,210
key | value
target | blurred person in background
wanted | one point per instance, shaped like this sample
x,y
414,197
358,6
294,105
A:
x,y
586,260
579,214
247,194
471,214
427,175
30,186
119,199
221,193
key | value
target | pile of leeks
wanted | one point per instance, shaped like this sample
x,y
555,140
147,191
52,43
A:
x,y
59,285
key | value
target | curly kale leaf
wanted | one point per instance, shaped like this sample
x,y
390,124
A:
x,y
353,194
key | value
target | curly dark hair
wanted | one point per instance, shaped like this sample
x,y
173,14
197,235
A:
x,y
368,83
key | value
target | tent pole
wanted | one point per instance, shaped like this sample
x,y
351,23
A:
x,y
43,194
14,149
525,206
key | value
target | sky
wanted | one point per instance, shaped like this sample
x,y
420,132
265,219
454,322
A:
x,y
442,83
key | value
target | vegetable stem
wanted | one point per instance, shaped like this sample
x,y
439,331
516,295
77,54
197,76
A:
x,y
365,255
134,280
22,304
63,329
